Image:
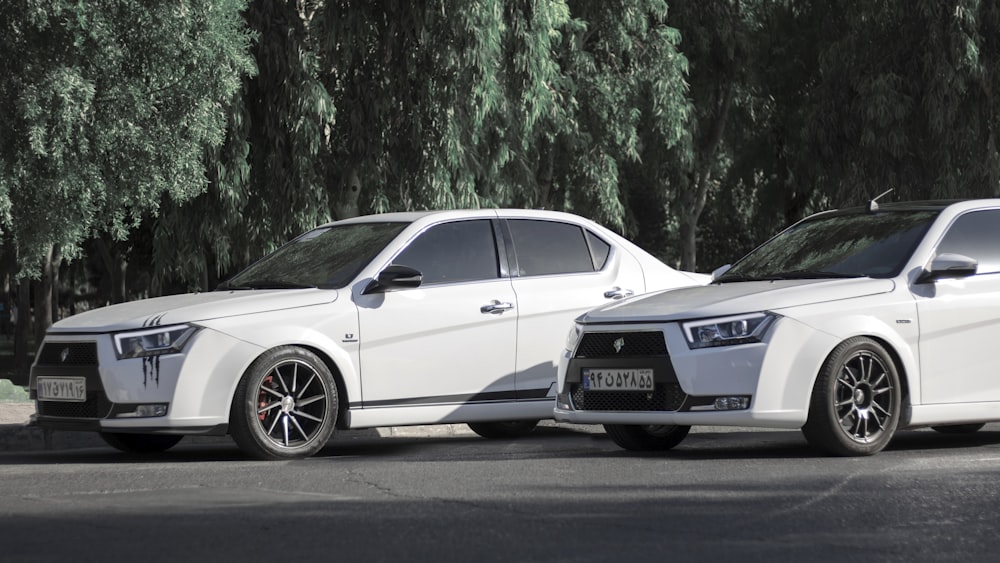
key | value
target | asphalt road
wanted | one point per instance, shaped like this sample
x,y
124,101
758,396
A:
x,y
558,495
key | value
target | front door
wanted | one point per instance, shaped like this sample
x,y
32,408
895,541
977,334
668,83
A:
x,y
449,341
960,319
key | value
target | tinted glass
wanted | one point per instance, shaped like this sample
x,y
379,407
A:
x,y
846,245
328,257
453,252
547,247
976,235
599,250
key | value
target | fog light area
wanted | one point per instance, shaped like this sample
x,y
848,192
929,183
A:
x,y
562,401
146,411
732,403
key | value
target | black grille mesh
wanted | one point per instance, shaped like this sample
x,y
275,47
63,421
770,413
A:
x,y
96,406
77,354
665,397
602,344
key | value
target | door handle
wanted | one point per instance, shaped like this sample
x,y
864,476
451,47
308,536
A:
x,y
496,307
618,293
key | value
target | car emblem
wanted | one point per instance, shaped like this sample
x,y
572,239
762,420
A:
x,y
619,344
64,355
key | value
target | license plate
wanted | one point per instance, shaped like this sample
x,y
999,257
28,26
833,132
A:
x,y
62,389
618,379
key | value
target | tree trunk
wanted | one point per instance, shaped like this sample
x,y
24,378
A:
x,y
694,197
546,172
7,265
22,330
115,266
347,203
55,263
43,298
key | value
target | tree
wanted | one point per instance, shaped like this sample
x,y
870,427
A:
x,y
906,98
104,108
716,43
268,180
625,86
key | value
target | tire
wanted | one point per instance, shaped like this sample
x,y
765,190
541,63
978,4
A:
x,y
286,405
503,430
856,401
646,438
140,443
960,428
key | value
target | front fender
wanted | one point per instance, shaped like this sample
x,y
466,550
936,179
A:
x,y
328,329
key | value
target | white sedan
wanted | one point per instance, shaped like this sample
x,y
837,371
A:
x,y
849,325
394,319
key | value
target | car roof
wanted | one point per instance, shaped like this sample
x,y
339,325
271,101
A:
x,y
414,216
906,206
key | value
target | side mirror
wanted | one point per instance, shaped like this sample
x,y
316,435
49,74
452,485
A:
x,y
394,277
949,266
718,272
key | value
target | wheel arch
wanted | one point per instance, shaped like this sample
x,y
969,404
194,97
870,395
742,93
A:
x,y
901,371
328,361
338,378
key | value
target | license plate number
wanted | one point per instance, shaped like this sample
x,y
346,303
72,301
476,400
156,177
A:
x,y
62,389
618,379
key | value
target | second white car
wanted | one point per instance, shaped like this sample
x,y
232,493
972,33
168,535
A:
x,y
849,325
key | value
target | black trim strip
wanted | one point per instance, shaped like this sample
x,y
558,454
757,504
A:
x,y
529,395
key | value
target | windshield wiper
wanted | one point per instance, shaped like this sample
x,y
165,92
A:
x,y
790,275
739,278
267,284
812,275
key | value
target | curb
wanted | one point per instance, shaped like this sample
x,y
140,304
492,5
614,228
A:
x,y
28,438
17,434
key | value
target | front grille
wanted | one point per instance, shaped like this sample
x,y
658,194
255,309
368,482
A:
x,y
68,354
96,406
665,397
621,344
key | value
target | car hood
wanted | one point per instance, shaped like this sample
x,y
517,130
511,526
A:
x,y
734,299
191,307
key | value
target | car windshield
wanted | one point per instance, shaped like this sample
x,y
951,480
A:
x,y
873,245
327,258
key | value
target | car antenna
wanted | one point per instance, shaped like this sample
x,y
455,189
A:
x,y
873,204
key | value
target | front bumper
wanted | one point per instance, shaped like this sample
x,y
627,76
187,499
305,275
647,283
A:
x,y
773,378
193,389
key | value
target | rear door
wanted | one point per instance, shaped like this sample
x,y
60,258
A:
x,y
559,270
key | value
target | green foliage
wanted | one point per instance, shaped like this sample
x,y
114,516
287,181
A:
x,y
904,97
529,103
267,180
106,106
202,134
10,393
626,79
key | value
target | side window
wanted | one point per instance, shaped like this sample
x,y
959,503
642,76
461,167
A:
x,y
548,247
599,250
976,235
453,252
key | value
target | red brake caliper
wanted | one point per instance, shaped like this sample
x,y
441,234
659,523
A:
x,y
262,397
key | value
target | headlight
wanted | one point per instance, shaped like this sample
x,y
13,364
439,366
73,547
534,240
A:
x,y
153,341
573,337
728,331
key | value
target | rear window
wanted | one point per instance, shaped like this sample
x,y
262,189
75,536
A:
x,y
550,247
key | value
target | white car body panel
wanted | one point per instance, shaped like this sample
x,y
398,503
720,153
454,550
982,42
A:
x,y
940,335
398,329
421,355
961,319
